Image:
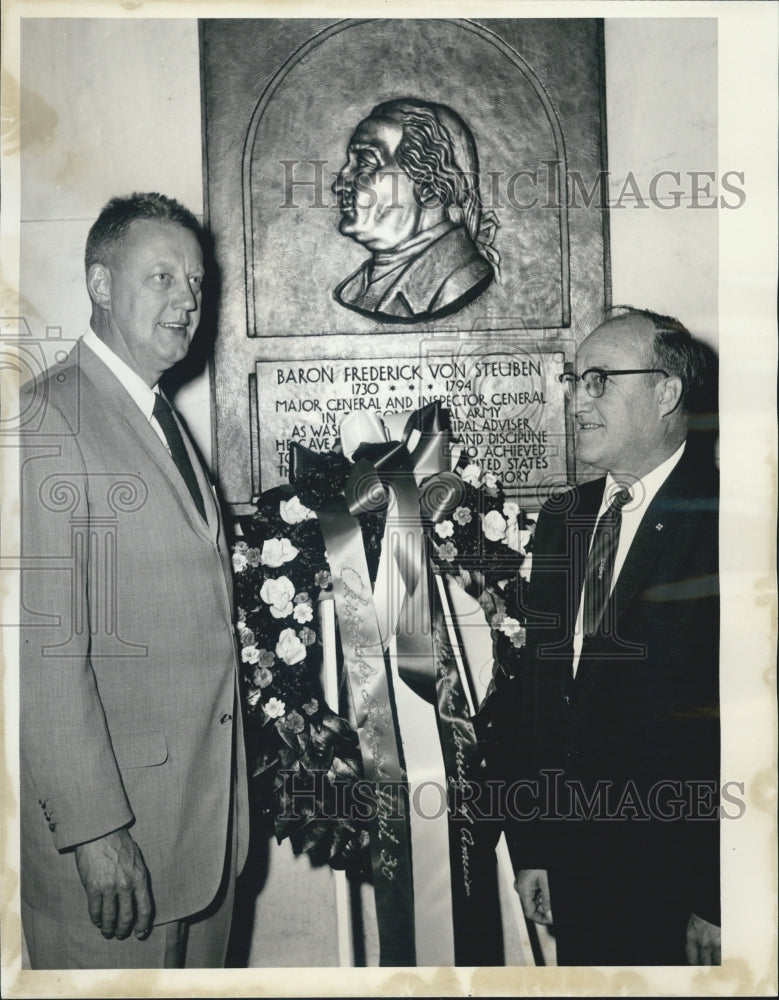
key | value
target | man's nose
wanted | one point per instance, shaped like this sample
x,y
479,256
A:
x,y
184,297
342,180
580,398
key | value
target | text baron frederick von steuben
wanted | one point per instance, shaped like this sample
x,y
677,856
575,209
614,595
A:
x,y
409,192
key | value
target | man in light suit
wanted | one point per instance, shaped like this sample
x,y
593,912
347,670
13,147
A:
x,y
133,787
611,748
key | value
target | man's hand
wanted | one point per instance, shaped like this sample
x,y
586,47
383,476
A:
x,y
703,942
532,885
116,881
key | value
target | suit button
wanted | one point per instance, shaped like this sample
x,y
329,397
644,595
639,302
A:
x,y
225,718
566,699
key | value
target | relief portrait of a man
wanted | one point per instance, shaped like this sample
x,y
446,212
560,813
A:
x,y
409,193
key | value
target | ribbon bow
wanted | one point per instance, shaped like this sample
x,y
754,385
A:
x,y
420,442
403,458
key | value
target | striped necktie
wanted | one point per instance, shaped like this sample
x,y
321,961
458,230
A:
x,y
600,562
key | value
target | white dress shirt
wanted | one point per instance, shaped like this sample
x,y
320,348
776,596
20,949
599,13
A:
x,y
140,393
643,491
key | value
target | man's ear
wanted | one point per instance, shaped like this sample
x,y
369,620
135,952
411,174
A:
x,y
428,195
669,394
99,285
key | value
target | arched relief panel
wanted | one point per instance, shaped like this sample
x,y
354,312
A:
x,y
281,99
296,142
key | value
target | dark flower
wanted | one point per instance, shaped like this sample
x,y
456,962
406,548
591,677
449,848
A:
x,y
322,480
487,602
307,636
294,722
262,677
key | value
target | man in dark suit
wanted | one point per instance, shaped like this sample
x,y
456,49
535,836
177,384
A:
x,y
615,738
133,786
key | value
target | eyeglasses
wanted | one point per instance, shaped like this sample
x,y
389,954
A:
x,y
594,379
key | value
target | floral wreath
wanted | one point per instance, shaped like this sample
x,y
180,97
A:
x,y
295,741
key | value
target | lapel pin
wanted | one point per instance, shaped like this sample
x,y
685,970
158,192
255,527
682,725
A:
x,y
658,526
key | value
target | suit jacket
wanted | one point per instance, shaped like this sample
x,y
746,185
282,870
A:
x,y
447,275
641,715
129,707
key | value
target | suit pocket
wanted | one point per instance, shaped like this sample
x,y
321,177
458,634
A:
x,y
140,749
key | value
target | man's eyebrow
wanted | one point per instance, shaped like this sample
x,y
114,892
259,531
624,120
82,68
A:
x,y
368,144
165,264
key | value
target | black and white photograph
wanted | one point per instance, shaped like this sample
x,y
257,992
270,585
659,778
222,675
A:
x,y
388,535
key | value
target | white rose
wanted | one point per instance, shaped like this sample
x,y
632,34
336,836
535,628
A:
x,y
277,551
274,708
250,654
490,480
471,474
494,526
279,594
239,562
510,510
293,512
445,529
289,648
509,626
303,613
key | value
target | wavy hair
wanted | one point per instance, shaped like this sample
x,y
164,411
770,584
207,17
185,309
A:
x,y
438,153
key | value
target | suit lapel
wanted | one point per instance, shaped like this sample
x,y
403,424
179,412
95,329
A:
x,y
645,548
119,401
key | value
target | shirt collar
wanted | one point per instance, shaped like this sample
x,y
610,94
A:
x,y
141,394
645,489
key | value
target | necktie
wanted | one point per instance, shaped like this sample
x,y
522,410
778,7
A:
x,y
164,416
600,562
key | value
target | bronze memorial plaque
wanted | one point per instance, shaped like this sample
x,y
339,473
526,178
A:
x,y
505,406
389,197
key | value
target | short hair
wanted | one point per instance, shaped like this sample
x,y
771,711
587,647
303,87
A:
x,y
110,228
438,153
673,348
